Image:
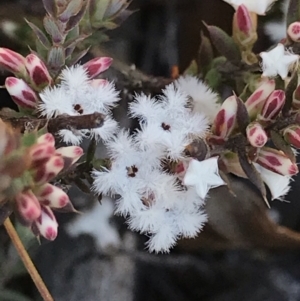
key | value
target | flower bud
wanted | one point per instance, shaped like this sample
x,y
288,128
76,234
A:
x,y
52,196
46,224
256,134
291,135
276,161
273,105
258,98
49,170
12,61
242,20
28,206
21,93
46,138
293,31
41,152
37,71
70,154
97,65
226,117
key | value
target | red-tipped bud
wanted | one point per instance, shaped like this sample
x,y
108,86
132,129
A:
x,y
256,134
97,65
28,206
44,173
37,71
242,20
21,93
294,31
226,117
258,98
291,135
46,138
46,224
40,153
273,105
276,161
99,82
12,61
70,154
296,98
52,196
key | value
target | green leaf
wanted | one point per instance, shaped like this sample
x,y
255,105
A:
x,y
282,145
53,29
224,44
40,35
293,13
242,116
213,78
205,55
29,139
289,91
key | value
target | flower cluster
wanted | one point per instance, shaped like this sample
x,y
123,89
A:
x,y
161,189
27,165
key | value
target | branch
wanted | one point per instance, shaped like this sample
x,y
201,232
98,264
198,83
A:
x,y
53,125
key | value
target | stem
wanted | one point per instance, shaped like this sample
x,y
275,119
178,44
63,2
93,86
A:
x,y
35,276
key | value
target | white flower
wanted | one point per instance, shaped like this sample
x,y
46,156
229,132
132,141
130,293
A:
x,y
78,95
203,175
205,101
279,185
277,61
259,7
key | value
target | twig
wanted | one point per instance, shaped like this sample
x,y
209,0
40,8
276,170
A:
x,y
53,125
35,276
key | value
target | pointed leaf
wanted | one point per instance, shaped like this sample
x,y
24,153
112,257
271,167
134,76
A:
x,y
40,35
205,54
98,9
79,56
282,145
253,175
71,9
242,117
293,13
289,91
56,57
50,7
74,20
53,30
224,43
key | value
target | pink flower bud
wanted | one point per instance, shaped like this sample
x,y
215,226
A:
x,y
243,20
97,65
258,98
294,31
49,170
46,224
256,134
12,61
226,117
46,138
41,153
21,93
276,161
291,135
37,71
28,206
52,196
70,154
273,105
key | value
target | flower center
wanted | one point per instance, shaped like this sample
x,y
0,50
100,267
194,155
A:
x,y
131,171
165,126
78,108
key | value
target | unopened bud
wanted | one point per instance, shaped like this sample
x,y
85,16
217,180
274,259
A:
x,y
273,105
291,135
256,134
46,224
12,61
21,93
97,65
226,117
41,152
293,31
70,154
46,138
52,196
276,161
37,71
258,98
28,206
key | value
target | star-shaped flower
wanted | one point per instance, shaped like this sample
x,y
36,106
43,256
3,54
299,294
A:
x,y
203,175
259,7
277,61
